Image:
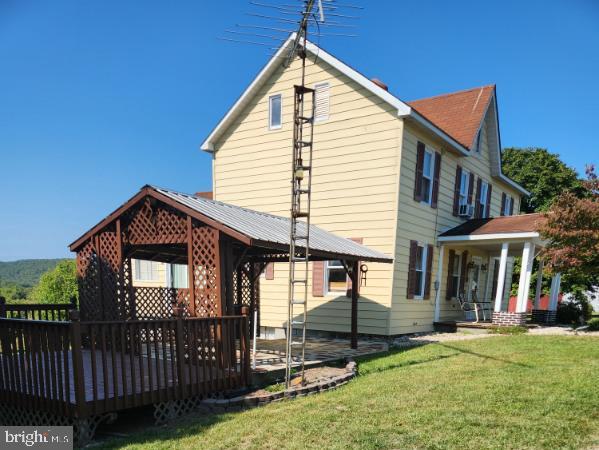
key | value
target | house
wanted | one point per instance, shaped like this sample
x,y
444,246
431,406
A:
x,y
390,174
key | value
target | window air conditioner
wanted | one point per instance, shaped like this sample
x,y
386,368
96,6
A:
x,y
466,211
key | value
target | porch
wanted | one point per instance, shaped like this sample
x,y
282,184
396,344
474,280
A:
x,y
486,247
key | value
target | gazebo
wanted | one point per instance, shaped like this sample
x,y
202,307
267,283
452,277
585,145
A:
x,y
130,346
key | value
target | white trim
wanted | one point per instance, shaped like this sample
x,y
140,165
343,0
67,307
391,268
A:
x,y
505,247
430,177
270,125
486,237
528,255
328,114
423,267
328,292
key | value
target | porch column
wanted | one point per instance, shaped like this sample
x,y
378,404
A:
x,y
354,303
501,276
554,295
438,283
539,285
528,254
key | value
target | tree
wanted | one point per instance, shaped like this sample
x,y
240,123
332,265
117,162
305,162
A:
x,y
572,230
541,173
57,285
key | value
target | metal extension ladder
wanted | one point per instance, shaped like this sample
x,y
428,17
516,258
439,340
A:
x,y
299,251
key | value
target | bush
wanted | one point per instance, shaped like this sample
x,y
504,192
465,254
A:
x,y
576,311
593,324
57,285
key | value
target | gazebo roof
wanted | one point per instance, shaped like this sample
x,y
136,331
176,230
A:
x,y
256,229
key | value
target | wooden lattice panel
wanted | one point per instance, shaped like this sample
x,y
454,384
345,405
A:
x,y
206,280
88,281
156,225
110,271
154,302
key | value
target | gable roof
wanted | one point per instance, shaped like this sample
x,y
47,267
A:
x,y
251,227
459,114
404,109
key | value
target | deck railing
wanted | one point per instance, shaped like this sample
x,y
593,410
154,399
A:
x,y
37,311
84,368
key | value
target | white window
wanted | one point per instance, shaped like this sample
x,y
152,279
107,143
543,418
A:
x,y
321,109
477,143
179,276
421,255
482,198
464,187
146,270
428,169
507,207
275,111
455,275
335,277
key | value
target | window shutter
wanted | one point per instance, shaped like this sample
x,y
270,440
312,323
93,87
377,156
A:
x,y
435,197
321,109
429,269
470,188
349,282
512,207
269,271
412,269
449,287
488,207
456,191
463,270
477,203
419,170
503,200
318,278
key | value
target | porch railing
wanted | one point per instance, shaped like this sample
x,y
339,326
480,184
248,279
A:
x,y
84,368
37,311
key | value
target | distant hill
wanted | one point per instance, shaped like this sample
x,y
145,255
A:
x,y
25,272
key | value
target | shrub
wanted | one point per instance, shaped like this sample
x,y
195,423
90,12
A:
x,y
593,324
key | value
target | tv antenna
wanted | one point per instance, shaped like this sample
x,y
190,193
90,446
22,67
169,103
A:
x,y
325,15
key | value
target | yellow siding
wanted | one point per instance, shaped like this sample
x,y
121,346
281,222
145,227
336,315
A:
x,y
354,186
422,223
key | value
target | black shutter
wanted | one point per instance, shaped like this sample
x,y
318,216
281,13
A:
x,y
419,171
512,207
435,197
450,287
428,276
456,191
463,271
503,200
477,203
412,269
488,207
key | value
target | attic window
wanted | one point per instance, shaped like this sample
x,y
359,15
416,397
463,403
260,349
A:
x,y
477,143
274,112
321,110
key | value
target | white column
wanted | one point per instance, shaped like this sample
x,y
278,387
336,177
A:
x,y
554,293
528,254
539,286
501,276
438,283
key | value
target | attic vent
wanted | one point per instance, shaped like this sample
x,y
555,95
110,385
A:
x,y
380,84
322,102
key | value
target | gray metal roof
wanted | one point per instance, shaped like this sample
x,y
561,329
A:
x,y
270,228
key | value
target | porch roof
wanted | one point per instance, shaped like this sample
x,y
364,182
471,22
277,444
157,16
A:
x,y
496,228
254,228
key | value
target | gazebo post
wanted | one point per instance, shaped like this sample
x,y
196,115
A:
x,y
355,275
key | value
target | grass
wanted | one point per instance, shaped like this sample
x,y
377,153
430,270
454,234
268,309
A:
x,y
509,392
508,330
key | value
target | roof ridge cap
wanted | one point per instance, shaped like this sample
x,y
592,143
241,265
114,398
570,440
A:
x,y
447,94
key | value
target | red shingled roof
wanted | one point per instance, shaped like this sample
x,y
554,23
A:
x,y
459,114
498,225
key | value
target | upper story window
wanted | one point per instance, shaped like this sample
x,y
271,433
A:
x,y
507,205
477,142
146,270
455,275
321,108
464,188
275,111
483,199
420,270
428,169
335,277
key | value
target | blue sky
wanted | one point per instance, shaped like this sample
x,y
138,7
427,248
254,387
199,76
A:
x,y
98,98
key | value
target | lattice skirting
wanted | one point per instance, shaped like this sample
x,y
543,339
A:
x,y
544,316
83,429
509,319
166,411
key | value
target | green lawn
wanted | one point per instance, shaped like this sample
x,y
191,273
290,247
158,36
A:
x,y
503,392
